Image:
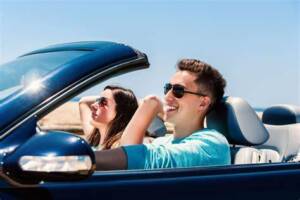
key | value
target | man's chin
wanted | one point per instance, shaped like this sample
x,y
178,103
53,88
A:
x,y
170,119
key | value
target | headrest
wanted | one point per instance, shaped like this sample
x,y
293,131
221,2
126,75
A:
x,y
157,128
281,115
236,119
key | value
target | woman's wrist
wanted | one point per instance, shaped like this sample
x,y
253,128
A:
x,y
87,100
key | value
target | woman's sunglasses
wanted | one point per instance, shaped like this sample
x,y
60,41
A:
x,y
102,101
178,90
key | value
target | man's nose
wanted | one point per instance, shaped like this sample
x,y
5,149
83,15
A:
x,y
169,96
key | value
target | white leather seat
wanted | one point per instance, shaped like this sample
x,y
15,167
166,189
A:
x,y
274,139
249,155
283,124
278,140
235,118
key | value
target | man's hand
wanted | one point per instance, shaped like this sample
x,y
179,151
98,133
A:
x,y
155,103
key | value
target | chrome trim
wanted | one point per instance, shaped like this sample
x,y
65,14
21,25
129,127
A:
x,y
56,97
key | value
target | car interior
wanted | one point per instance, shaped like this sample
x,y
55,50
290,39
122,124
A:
x,y
272,137
66,118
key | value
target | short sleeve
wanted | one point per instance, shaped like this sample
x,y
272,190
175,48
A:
x,y
135,156
200,149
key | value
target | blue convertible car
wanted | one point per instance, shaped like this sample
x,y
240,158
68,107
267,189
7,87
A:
x,y
55,164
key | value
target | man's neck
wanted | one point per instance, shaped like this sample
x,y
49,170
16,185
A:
x,y
185,131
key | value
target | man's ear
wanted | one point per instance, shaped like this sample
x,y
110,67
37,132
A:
x,y
204,103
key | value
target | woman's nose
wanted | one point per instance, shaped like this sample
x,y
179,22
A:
x,y
94,106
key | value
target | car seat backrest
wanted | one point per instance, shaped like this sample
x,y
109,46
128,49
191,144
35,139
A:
x,y
281,115
157,128
278,139
293,147
236,119
283,123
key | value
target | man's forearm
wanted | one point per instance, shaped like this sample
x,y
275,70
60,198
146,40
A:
x,y
136,128
114,159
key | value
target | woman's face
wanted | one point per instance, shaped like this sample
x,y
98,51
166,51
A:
x,y
103,110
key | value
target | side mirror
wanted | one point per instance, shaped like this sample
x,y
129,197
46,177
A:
x,y
50,156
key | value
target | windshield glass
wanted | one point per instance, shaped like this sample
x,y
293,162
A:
x,y
19,73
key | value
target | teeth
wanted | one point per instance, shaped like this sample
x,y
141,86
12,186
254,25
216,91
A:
x,y
169,108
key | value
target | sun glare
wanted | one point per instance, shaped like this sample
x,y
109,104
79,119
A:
x,y
35,86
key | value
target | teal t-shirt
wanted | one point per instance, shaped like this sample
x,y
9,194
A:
x,y
205,147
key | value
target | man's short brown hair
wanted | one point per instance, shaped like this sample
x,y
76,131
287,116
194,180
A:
x,y
209,80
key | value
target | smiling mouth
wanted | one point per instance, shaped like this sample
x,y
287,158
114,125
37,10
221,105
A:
x,y
94,115
168,108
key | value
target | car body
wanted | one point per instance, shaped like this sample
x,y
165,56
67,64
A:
x,y
57,73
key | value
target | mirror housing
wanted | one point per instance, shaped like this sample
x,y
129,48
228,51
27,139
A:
x,y
50,156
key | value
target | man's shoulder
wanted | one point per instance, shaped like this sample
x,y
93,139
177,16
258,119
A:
x,y
204,135
206,132
163,140
209,134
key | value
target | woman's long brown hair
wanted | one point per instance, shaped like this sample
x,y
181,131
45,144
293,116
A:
x,y
126,105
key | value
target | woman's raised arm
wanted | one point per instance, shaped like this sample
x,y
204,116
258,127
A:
x,y
86,114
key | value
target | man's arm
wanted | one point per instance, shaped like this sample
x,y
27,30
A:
x,y
114,159
136,128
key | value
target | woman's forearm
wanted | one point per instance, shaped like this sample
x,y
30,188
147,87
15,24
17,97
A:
x,y
85,114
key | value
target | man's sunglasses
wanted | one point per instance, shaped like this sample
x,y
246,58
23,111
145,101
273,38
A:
x,y
101,101
178,90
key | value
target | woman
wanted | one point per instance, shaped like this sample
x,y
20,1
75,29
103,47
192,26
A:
x,y
105,118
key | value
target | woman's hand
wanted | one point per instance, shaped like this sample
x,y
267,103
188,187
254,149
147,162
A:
x,y
86,114
88,100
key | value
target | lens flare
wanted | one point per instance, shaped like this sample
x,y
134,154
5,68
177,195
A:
x,y
35,86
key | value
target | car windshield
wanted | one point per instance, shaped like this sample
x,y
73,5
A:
x,y
19,73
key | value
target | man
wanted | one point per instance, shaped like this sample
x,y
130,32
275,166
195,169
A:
x,y
192,92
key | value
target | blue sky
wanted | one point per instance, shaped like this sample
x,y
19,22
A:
x,y
254,44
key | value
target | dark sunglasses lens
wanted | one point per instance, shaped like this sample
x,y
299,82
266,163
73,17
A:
x,y
178,91
167,88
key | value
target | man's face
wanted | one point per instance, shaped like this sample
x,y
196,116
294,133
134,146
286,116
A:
x,y
184,109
